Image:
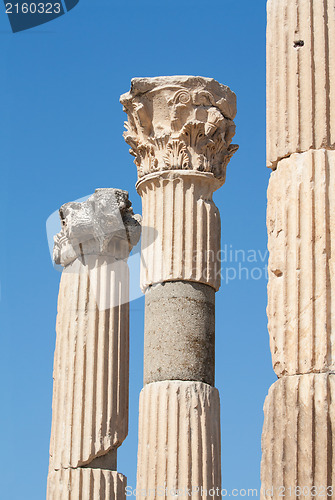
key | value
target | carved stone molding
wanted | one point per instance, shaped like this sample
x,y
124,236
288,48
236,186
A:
x,y
104,224
180,123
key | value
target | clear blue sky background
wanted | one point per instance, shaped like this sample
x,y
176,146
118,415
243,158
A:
x,y
61,137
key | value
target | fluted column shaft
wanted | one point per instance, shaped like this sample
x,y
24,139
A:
x,y
91,366
179,439
172,202
301,218
180,131
298,437
80,484
298,433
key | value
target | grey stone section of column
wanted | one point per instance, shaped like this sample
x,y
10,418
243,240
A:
x,y
91,364
179,332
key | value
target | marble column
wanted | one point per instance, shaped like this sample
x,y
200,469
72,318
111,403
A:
x,y
91,366
180,131
299,428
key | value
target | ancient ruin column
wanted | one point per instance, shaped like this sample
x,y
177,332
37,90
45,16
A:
x,y
299,429
91,366
180,131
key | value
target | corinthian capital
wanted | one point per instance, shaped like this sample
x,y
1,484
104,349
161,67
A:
x,y
104,224
180,123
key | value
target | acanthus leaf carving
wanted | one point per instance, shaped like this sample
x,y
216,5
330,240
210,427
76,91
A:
x,y
176,156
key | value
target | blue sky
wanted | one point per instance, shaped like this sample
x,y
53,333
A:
x,y
61,137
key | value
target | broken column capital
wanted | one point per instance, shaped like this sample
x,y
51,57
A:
x,y
104,224
180,123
